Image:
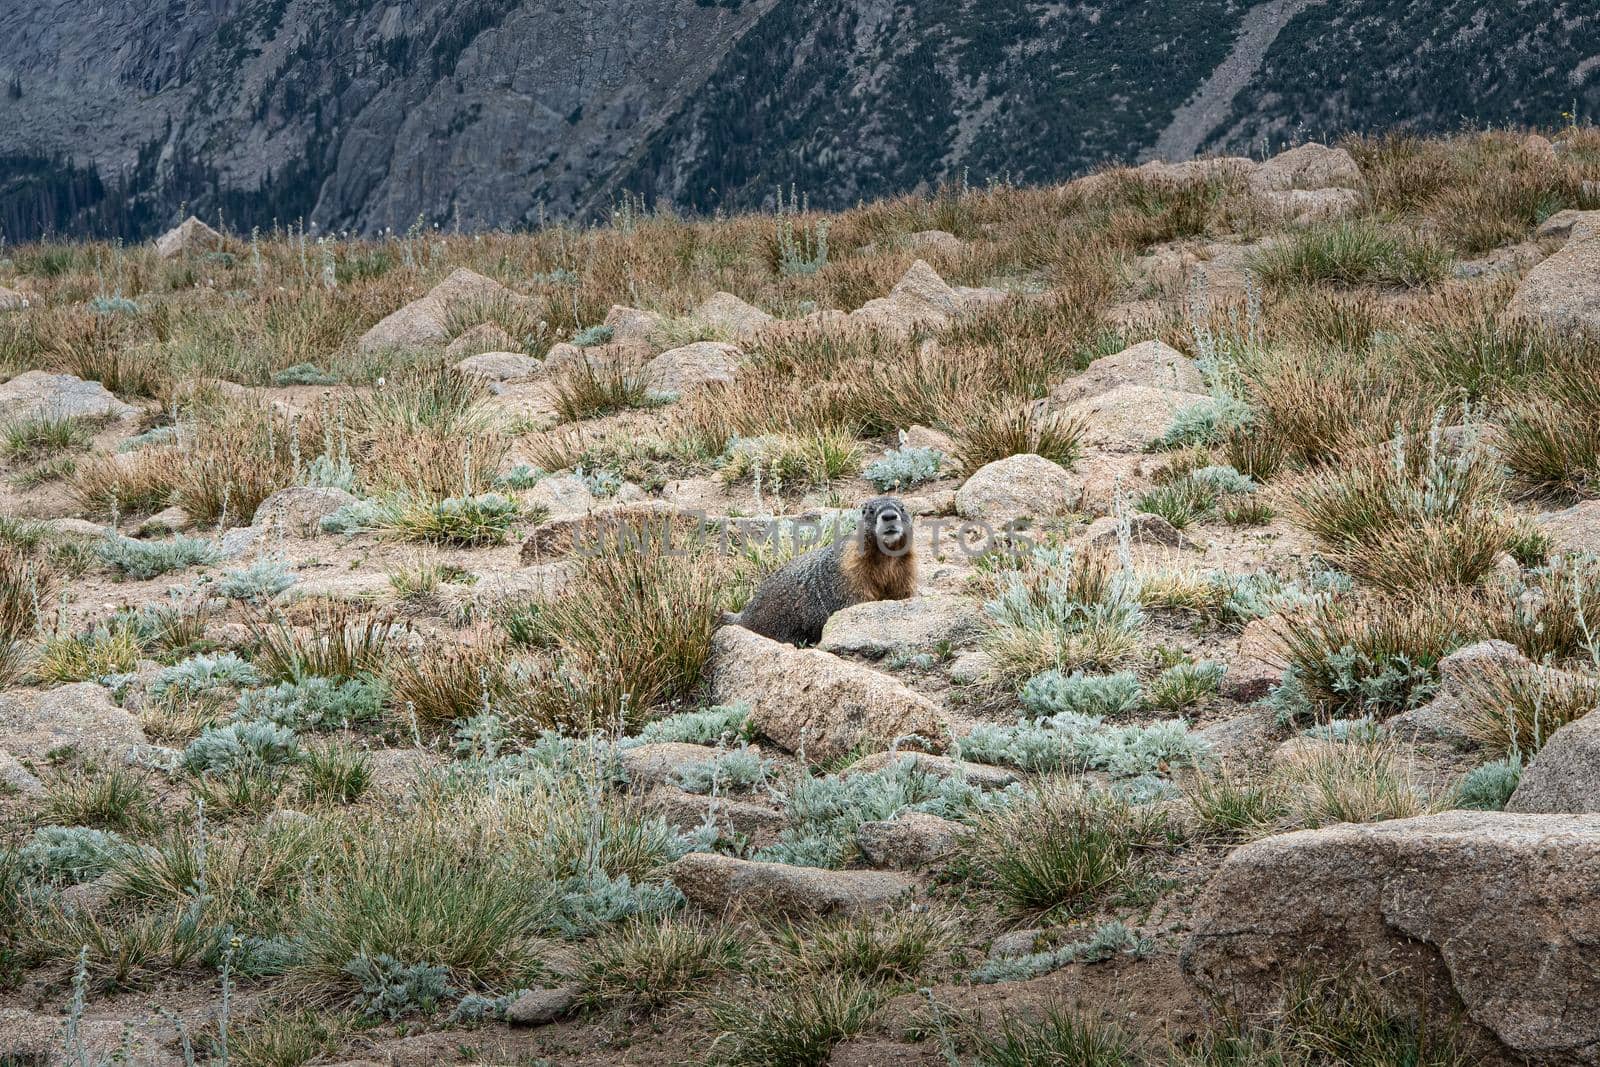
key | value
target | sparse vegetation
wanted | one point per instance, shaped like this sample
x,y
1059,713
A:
x,y
379,771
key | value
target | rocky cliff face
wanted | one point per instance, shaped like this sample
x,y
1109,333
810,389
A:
x,y
367,114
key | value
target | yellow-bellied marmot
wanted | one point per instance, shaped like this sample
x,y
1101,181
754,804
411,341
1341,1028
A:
x,y
877,562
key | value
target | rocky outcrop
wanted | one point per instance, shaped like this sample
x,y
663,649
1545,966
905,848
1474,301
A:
x,y
1016,488
881,627
721,884
809,700
41,394
425,323
1307,166
1488,911
1565,774
191,237
79,716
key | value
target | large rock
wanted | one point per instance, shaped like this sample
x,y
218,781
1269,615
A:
x,y
722,883
755,818
881,627
732,317
1563,292
39,394
484,337
811,700
1128,418
424,323
1014,488
1150,363
661,761
1308,166
1574,529
191,237
537,1007
1492,911
1565,775
11,300
679,370
300,509
35,723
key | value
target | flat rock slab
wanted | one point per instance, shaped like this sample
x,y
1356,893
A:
x,y
40,394
881,627
1489,910
721,883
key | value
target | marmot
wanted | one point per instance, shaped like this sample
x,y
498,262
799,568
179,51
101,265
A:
x,y
877,562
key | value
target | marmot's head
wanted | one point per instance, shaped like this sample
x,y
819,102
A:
x,y
886,524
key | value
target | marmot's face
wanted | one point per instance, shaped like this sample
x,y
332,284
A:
x,y
885,519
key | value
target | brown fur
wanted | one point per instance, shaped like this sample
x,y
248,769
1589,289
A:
x,y
870,574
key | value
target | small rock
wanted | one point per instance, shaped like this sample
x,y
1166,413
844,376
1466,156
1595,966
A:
x,y
1241,739
1563,292
878,628
1258,664
1010,945
242,540
17,779
169,520
1143,529
191,237
11,300
910,840
1016,488
299,510
685,812
971,668
719,883
37,393
927,437
660,761
537,1007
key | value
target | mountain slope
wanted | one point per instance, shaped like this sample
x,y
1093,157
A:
x,y
367,114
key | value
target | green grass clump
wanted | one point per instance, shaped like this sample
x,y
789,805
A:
x,y
41,435
1353,252
484,519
